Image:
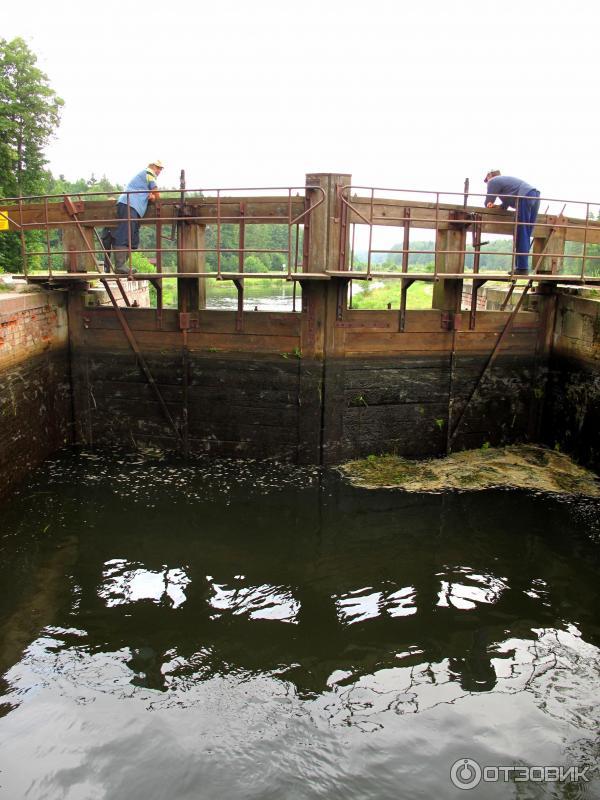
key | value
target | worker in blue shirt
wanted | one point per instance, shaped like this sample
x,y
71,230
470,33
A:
x,y
517,194
131,207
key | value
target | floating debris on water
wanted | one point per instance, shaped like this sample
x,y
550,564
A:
x,y
529,467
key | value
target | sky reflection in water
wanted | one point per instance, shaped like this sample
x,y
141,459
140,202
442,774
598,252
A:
x,y
250,630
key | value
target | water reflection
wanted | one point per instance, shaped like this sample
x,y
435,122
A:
x,y
354,611
128,583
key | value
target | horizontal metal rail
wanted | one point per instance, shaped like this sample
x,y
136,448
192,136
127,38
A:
x,y
190,206
361,206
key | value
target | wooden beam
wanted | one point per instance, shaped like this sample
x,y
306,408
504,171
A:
x,y
268,209
423,215
451,242
257,210
191,293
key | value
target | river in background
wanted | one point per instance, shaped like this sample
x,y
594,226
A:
x,y
259,295
236,629
262,295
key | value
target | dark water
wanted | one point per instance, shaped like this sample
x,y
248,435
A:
x,y
242,630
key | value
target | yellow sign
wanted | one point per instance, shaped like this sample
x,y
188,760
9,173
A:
x,y
3,221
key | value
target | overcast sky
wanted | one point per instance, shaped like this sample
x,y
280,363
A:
x,y
409,95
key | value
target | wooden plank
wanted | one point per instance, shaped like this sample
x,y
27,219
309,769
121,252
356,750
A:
x,y
420,321
169,341
382,343
389,212
138,319
412,360
258,210
213,399
289,324
395,386
410,429
145,319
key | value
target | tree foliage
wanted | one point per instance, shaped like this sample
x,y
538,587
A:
x,y
29,115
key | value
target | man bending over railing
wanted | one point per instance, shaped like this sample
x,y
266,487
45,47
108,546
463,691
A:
x,y
517,194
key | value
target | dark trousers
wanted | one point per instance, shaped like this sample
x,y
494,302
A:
x,y
527,211
127,233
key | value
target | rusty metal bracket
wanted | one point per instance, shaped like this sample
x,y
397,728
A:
x,y
509,294
477,284
450,321
239,315
188,320
460,220
73,207
405,285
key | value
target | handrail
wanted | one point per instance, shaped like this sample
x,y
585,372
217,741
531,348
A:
x,y
193,200
432,214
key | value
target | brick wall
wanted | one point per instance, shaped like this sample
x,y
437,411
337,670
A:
x,y
35,392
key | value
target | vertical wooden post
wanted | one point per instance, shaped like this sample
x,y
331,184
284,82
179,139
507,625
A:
x,y
451,237
552,244
321,342
72,242
191,293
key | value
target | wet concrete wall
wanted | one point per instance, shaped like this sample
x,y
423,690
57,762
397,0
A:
x,y
35,393
572,409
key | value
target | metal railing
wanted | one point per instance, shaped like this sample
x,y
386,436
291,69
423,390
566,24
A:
x,y
411,210
186,207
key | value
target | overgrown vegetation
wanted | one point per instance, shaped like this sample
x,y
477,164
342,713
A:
x,y
519,466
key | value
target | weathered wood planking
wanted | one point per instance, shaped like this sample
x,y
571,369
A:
x,y
263,210
389,212
430,320
145,319
220,343
405,407
474,341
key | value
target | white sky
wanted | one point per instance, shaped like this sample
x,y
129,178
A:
x,y
411,95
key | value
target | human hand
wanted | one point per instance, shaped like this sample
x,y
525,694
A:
x,y
490,205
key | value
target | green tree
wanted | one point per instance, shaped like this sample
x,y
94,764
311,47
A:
x,y
29,115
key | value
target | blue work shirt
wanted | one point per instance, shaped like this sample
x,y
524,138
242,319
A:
x,y
505,184
144,183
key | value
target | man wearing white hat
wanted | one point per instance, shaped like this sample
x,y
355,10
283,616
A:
x,y
131,207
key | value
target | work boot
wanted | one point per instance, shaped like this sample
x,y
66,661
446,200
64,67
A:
x,y
121,262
